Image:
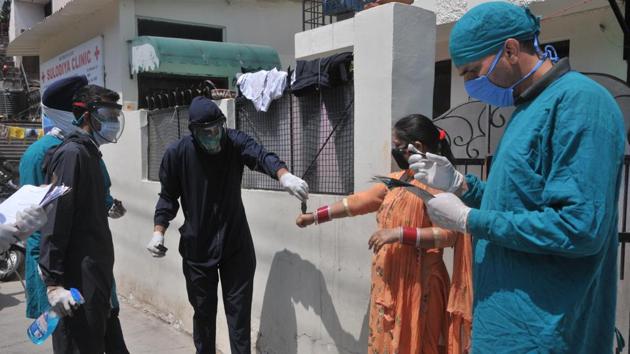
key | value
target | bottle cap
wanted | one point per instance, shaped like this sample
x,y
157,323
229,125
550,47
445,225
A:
x,y
76,295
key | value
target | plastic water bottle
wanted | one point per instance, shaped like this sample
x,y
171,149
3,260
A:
x,y
47,322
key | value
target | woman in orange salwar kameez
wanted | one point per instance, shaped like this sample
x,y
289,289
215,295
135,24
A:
x,y
410,284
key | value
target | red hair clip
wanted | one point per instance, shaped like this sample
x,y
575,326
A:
x,y
442,134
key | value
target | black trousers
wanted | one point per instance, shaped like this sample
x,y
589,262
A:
x,y
84,332
114,340
237,282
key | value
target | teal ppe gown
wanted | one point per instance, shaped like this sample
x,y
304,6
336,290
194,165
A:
x,y
545,225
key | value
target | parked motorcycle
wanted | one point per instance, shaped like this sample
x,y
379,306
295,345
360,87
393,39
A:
x,y
12,262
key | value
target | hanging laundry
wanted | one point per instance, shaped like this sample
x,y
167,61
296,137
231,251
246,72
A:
x,y
4,131
311,75
16,133
263,87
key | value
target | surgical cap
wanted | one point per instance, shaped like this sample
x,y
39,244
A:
x,y
483,30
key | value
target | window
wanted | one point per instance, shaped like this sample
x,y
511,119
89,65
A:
x,y
562,48
442,87
149,27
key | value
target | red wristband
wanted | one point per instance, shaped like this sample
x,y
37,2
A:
x,y
409,235
323,214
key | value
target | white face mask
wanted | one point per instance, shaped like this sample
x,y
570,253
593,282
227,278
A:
x,y
54,118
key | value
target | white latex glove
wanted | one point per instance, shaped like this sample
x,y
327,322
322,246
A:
x,y
448,211
117,210
436,171
154,245
61,300
7,236
30,220
295,186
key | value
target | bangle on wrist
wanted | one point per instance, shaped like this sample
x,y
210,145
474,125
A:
x,y
323,215
409,236
435,235
346,207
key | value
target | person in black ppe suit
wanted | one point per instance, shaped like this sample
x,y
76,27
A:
x,y
76,247
205,170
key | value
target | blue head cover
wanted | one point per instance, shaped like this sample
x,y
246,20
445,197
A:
x,y
204,110
59,94
57,102
483,30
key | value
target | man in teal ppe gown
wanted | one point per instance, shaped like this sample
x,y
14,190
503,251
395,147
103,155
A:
x,y
544,225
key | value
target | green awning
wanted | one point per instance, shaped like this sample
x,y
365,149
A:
x,y
188,57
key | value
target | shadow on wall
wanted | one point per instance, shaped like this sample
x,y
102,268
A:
x,y
294,280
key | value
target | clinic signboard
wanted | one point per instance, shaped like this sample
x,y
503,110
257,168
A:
x,y
85,59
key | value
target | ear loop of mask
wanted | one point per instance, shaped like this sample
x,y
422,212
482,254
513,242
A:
x,y
545,55
549,52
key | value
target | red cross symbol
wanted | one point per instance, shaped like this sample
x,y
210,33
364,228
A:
x,y
97,53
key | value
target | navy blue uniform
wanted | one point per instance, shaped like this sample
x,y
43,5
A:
x,y
215,235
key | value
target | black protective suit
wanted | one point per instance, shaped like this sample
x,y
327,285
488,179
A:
x,y
215,238
76,247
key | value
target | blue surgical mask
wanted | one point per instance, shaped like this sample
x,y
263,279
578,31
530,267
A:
x,y
486,91
109,133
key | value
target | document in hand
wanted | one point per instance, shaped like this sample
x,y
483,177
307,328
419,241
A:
x,y
392,183
28,196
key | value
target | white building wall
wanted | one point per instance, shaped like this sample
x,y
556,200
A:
x,y
58,4
23,16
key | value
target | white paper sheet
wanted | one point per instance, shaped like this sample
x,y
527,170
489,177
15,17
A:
x,y
26,197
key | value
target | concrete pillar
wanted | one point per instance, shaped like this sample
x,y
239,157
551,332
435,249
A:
x,y
394,69
394,63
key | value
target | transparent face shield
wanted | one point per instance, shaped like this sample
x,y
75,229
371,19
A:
x,y
108,121
209,135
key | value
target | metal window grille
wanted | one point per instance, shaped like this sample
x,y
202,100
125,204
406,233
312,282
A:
x,y
165,127
313,134
313,14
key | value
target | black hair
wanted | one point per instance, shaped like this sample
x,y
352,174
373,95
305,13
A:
x,y
527,46
416,127
92,93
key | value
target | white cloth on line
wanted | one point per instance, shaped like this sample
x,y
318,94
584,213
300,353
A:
x,y
263,87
